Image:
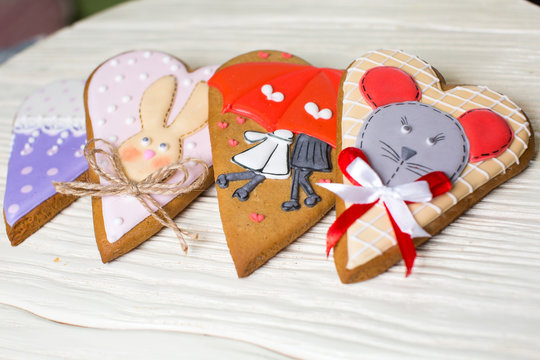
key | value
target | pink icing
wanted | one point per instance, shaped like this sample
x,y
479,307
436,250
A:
x,y
114,95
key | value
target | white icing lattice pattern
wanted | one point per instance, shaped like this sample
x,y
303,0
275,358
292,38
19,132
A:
x,y
53,109
372,235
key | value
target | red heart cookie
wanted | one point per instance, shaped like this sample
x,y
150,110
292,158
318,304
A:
x,y
284,147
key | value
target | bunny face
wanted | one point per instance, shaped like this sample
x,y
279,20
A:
x,y
147,152
404,138
158,144
407,140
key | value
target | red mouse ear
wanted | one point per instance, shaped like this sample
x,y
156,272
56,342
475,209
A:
x,y
384,85
488,133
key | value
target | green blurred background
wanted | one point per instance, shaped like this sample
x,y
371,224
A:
x,y
84,8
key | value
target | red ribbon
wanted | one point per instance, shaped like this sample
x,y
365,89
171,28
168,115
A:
x,y
438,185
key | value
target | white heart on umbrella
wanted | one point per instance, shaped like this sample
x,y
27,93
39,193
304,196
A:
x,y
268,91
313,110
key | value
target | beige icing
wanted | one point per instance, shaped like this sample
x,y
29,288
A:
x,y
371,235
155,106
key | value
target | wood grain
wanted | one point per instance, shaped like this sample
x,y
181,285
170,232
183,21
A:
x,y
475,289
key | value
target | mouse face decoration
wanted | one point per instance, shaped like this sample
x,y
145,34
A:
x,y
410,139
406,129
406,139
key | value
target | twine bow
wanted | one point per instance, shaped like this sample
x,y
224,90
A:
x,y
118,183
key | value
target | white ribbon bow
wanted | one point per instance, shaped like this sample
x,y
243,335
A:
x,y
394,197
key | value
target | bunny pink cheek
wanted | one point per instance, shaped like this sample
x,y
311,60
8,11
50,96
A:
x,y
130,153
161,161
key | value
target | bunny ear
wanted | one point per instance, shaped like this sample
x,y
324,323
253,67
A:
x,y
157,101
383,85
194,114
488,133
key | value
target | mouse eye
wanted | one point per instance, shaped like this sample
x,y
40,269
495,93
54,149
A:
x,y
145,141
405,129
163,147
435,139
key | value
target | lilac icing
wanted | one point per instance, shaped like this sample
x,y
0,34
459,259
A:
x,y
47,146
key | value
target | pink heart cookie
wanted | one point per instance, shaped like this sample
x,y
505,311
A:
x,y
155,110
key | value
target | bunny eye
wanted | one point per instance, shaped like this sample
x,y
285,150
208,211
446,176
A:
x,y
163,147
405,129
145,141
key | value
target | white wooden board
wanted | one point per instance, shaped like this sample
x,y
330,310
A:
x,y
475,289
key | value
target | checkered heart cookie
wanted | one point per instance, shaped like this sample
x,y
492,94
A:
x,y
414,154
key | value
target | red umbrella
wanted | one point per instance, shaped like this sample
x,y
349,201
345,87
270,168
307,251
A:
x,y
299,98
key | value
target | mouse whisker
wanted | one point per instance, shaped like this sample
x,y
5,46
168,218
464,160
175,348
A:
x,y
390,148
389,157
390,153
414,172
417,169
420,165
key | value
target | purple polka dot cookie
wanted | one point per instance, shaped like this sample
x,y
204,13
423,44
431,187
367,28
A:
x,y
49,135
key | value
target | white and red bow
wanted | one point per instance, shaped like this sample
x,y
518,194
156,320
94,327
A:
x,y
368,189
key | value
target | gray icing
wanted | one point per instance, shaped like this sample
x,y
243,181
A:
x,y
404,141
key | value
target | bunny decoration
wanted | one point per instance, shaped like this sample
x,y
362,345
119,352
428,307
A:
x,y
155,111
159,144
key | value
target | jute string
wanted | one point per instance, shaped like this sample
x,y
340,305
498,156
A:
x,y
118,183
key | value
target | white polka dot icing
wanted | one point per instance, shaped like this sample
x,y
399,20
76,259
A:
x,y
52,171
140,69
14,208
48,125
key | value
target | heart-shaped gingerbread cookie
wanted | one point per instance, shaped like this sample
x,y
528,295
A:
x,y
273,129
49,133
155,111
414,155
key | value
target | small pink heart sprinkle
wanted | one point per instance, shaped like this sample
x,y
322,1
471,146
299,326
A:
x,y
324,181
240,120
263,55
222,124
286,55
256,217
233,142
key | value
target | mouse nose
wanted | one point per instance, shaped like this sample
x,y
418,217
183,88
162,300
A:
x,y
407,153
148,154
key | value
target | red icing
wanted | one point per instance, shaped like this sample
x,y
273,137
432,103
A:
x,y
256,217
262,54
346,157
324,181
240,120
222,124
286,55
488,133
383,85
233,142
241,84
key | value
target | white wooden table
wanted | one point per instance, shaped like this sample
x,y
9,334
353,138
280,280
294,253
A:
x,y
475,290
